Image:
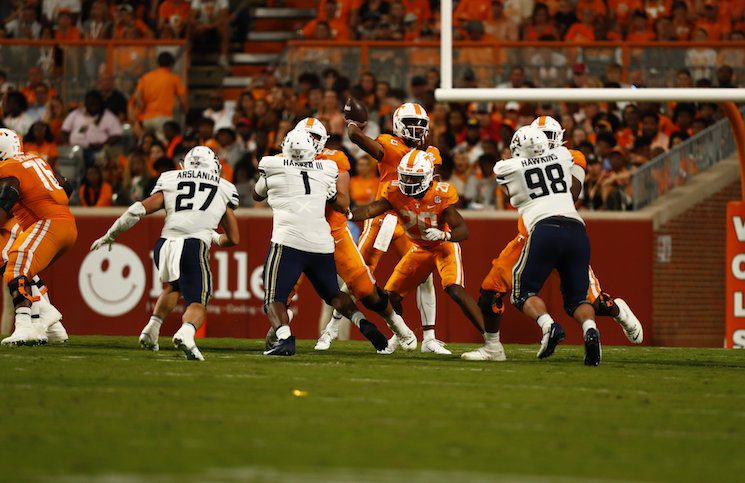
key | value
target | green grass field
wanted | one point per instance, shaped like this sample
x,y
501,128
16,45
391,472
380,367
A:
x,y
102,410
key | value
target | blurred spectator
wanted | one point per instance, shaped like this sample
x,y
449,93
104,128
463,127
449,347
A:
x,y
244,179
172,134
5,86
16,115
94,191
709,22
65,28
651,131
363,186
211,26
616,187
219,111
471,10
725,74
39,139
516,80
35,79
462,179
228,148
639,31
174,14
330,113
160,166
583,31
681,21
55,116
565,17
97,26
50,9
701,60
485,189
23,24
331,17
157,93
246,138
136,177
92,125
471,145
113,99
540,24
38,109
127,26
591,193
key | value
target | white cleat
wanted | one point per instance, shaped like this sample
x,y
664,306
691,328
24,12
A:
x,y
56,334
186,343
631,325
486,353
149,336
324,342
26,334
434,345
408,342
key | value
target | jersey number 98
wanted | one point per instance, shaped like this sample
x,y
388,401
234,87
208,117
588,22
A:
x,y
536,180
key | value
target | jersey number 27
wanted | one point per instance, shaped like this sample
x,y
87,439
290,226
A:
x,y
542,184
186,191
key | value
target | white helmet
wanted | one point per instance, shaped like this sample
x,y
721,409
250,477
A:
x,y
528,142
411,122
415,172
10,144
317,131
202,158
552,129
298,146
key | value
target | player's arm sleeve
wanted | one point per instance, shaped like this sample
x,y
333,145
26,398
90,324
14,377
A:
x,y
579,166
232,200
501,172
260,188
128,219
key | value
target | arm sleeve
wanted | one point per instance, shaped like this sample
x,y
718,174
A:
x,y
159,185
260,187
233,198
128,219
578,173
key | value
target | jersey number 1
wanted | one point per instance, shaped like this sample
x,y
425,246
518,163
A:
x,y
183,200
536,181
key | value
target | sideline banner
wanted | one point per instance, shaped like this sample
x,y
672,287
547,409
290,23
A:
x,y
734,336
113,293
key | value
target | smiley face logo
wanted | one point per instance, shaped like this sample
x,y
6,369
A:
x,y
112,282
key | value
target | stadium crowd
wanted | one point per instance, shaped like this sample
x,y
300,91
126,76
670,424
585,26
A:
x,y
615,138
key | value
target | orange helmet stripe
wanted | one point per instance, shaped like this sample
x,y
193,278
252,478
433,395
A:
x,y
412,160
542,121
311,121
418,109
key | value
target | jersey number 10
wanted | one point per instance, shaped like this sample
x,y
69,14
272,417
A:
x,y
184,199
536,180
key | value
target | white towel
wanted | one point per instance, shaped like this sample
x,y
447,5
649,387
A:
x,y
385,235
170,259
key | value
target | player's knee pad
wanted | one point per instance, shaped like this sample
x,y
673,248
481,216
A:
x,y
493,302
380,305
605,306
571,306
20,290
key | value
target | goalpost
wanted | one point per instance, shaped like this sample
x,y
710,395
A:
x,y
735,233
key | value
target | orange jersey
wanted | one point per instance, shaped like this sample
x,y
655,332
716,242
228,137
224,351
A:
x,y
42,197
418,214
394,149
337,221
579,160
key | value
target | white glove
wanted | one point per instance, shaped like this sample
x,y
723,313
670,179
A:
x,y
216,238
435,234
331,193
104,240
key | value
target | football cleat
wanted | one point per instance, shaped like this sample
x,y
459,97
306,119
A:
x,y
593,350
494,352
324,341
56,333
371,333
550,340
435,346
631,325
185,342
271,339
408,343
284,347
149,336
26,334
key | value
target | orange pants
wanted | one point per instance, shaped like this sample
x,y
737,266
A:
x,y
38,246
351,266
400,242
419,262
499,278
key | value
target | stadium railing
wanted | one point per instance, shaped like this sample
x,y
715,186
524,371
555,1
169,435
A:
x,y
72,67
676,166
546,64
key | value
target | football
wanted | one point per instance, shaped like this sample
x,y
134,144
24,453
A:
x,y
355,110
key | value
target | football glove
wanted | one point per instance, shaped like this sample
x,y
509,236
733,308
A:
x,y
104,240
331,193
216,238
435,234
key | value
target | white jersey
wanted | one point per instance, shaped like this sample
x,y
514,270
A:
x,y
195,202
539,187
297,193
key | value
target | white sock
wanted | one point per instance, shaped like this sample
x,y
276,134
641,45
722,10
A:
x,y
37,281
491,339
189,329
35,305
357,317
587,325
428,334
23,315
283,332
426,301
156,320
397,324
544,322
290,315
